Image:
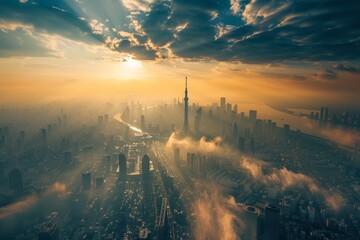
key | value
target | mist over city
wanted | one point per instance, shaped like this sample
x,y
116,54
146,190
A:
x,y
179,120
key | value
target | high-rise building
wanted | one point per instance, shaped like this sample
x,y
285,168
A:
x,y
162,224
86,180
197,124
357,152
252,145
145,165
122,166
16,182
127,132
49,232
99,181
43,137
68,157
250,218
235,132
242,144
322,109
252,116
222,105
186,128
272,221
326,114
143,123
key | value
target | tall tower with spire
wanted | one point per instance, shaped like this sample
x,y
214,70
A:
x,y
186,110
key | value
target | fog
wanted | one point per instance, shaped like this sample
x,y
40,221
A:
x,y
276,179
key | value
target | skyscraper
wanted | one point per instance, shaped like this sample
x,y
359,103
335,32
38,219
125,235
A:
x,y
122,166
252,116
186,110
235,131
222,105
322,109
16,182
197,124
86,180
326,114
272,219
145,166
43,137
242,144
142,122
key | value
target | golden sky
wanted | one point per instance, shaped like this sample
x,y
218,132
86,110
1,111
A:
x,y
142,50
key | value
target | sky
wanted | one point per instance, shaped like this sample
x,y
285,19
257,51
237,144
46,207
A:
x,y
286,53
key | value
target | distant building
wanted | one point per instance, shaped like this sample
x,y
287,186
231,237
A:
x,y
222,105
122,166
162,225
68,157
145,165
326,114
99,181
286,129
43,137
322,109
235,131
272,221
49,232
143,234
357,152
198,114
252,116
16,182
252,146
142,120
242,144
86,180
197,124
250,218
127,132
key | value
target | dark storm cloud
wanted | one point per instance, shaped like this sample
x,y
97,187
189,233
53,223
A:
x,y
256,31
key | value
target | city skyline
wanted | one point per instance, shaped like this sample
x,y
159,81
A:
x,y
180,119
284,54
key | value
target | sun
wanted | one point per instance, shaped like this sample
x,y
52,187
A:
x,y
129,62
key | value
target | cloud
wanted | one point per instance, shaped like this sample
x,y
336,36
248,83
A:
x,y
216,216
256,31
20,42
31,202
274,178
346,68
283,179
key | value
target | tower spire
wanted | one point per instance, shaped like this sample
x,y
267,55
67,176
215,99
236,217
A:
x,y
186,110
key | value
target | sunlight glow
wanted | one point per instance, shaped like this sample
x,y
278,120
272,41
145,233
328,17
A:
x,y
129,62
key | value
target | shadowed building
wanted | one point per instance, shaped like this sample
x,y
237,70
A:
x,y
122,166
86,180
145,166
272,221
16,182
235,132
49,232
